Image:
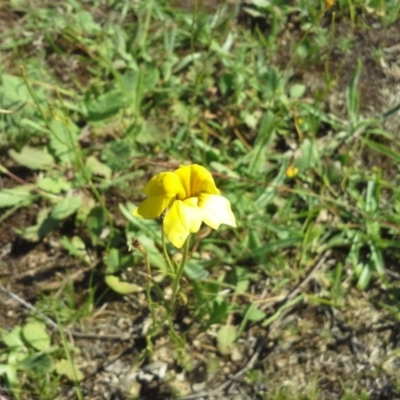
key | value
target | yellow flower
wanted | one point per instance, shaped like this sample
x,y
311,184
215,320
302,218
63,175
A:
x,y
190,196
329,4
292,171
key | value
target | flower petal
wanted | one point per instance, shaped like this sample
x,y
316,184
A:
x,y
182,219
195,179
217,210
152,207
164,184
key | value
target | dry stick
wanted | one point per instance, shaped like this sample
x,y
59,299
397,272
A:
x,y
54,325
296,291
230,380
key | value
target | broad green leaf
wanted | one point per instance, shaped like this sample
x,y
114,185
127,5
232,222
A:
x,y
56,184
84,21
15,94
105,105
297,90
14,338
148,132
195,271
38,363
10,372
71,371
120,286
18,196
147,227
253,313
242,279
95,222
96,167
112,261
226,338
260,3
88,203
35,334
32,158
63,139
76,248
66,207
307,155
155,256
117,154
45,224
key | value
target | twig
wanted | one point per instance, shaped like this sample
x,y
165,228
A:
x,y
54,325
29,306
322,260
296,291
249,365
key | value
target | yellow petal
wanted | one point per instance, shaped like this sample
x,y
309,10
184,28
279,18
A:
x,y
195,179
217,210
152,207
164,184
183,218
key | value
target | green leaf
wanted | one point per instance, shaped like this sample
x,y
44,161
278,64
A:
x,y
95,222
265,135
120,286
76,248
56,184
242,279
35,334
308,155
297,90
148,132
63,139
96,167
45,224
68,369
147,227
18,196
352,95
195,271
15,94
105,105
117,154
112,261
253,313
10,371
88,203
84,21
14,338
32,158
365,277
386,151
155,256
38,363
66,207
226,338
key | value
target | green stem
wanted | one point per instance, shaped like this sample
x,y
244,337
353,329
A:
x,y
171,265
179,273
